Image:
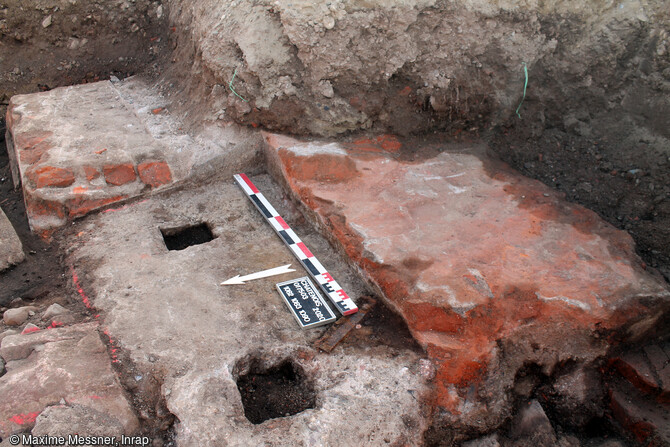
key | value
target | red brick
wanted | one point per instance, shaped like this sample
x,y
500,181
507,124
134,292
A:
x,y
37,207
80,206
154,173
383,143
389,143
118,175
34,155
51,176
635,368
91,173
644,418
661,363
32,146
364,145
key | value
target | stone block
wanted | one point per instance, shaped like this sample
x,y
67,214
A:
x,y
370,392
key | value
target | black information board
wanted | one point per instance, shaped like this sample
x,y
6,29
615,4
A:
x,y
305,302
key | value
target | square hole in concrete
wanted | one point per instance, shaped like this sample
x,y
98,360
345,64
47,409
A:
x,y
182,237
278,391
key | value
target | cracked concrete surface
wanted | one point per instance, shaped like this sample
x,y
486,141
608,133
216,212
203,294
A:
x,y
166,310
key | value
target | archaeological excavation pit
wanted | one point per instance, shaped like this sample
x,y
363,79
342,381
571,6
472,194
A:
x,y
180,238
496,173
280,390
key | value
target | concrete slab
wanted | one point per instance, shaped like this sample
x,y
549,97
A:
x,y
491,270
166,311
11,248
76,149
68,364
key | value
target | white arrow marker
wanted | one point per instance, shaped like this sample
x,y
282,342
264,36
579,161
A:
x,y
265,273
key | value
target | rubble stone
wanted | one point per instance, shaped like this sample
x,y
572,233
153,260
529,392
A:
x,y
64,420
53,364
17,316
635,368
660,360
487,441
533,425
579,396
11,248
7,333
645,418
54,310
612,443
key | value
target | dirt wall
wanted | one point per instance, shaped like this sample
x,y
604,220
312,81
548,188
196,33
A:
x,y
51,43
331,67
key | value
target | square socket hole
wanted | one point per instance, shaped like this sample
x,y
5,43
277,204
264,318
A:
x,y
183,237
273,391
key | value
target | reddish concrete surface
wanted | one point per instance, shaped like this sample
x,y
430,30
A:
x,y
472,255
76,149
